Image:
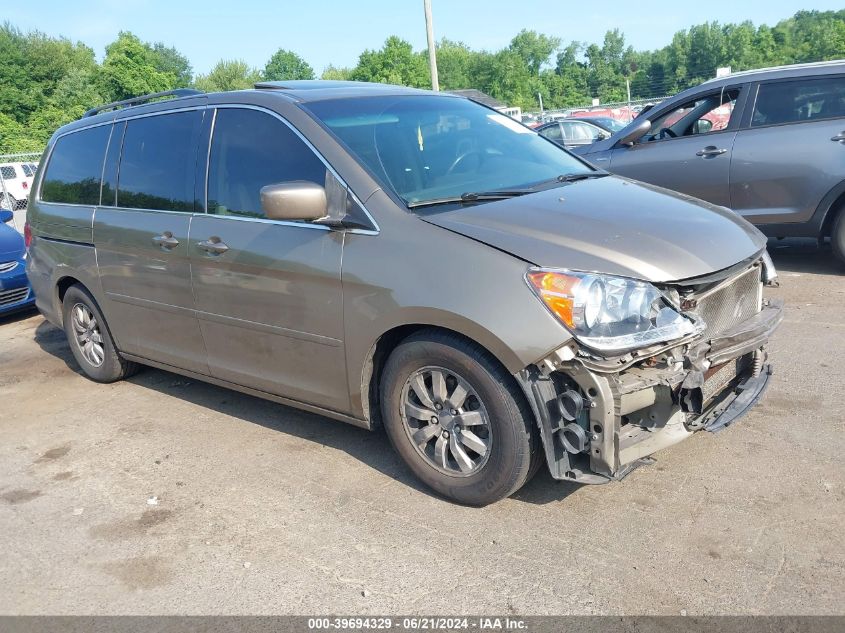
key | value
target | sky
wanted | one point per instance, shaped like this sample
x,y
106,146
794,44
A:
x,y
327,32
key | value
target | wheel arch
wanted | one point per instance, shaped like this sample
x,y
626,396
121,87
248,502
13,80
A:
x,y
63,279
60,288
831,206
391,338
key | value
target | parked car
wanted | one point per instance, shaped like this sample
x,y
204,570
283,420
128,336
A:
x,y
769,144
573,133
530,120
606,123
389,256
15,291
16,180
622,114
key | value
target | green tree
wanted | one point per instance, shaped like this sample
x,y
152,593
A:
x,y
534,49
286,65
395,63
167,59
337,74
47,81
129,69
228,75
455,63
14,137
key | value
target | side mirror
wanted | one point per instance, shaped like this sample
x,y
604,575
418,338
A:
x,y
297,200
6,216
702,126
636,132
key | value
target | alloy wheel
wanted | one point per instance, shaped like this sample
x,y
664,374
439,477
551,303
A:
x,y
88,335
446,421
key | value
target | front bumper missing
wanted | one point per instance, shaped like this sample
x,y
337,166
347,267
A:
x,y
630,414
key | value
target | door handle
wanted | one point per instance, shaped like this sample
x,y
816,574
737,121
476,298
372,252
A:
x,y
839,137
166,241
710,151
213,246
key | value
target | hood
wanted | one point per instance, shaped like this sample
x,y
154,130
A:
x,y
611,225
11,244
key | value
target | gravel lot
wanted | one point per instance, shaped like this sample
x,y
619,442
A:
x,y
166,495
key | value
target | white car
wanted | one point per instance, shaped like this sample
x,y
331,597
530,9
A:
x,y
15,184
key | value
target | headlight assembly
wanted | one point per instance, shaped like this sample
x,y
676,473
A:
x,y
609,314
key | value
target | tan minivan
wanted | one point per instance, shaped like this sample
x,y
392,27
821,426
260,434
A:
x,y
396,257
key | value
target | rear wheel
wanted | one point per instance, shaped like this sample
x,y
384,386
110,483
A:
x,y
457,419
90,339
837,236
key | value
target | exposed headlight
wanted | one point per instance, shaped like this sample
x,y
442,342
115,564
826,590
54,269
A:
x,y
770,273
610,314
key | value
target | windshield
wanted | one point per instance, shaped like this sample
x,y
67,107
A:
x,y
612,124
432,148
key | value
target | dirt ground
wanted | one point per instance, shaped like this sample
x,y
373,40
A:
x,y
166,495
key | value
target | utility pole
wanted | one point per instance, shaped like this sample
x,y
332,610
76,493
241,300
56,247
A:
x,y
540,97
432,54
628,87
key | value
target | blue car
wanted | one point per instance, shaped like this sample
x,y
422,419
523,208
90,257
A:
x,y
15,291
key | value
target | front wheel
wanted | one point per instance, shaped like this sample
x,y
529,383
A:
x,y
457,419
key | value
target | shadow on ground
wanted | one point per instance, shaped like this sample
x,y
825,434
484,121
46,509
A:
x,y
14,317
372,449
798,255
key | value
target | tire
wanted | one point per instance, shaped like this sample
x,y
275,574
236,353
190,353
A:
x,y
837,236
90,339
512,451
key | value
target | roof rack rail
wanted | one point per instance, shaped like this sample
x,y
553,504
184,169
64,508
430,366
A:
x,y
179,92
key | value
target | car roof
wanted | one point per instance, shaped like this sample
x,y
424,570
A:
x,y
305,90
782,72
300,91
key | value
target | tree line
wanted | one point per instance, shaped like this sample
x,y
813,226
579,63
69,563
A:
x,y
46,81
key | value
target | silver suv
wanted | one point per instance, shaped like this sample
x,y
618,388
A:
x,y
388,256
769,144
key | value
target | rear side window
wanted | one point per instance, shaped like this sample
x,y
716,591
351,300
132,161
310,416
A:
x,y
552,132
249,150
799,101
710,113
75,167
8,172
158,161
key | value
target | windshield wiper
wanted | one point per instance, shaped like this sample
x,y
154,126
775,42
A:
x,y
476,196
565,178
471,196
583,176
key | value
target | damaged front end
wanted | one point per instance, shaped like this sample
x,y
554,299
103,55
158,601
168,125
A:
x,y
602,415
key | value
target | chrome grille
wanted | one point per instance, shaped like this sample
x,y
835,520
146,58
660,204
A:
x,y
8,297
7,266
731,302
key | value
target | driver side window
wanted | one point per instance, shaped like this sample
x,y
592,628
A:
x,y
704,115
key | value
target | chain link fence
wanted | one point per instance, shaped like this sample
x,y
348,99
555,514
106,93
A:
x,y
17,172
621,110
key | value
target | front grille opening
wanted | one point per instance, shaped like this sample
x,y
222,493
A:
x,y
8,297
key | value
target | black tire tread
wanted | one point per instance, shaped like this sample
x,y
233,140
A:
x,y
508,390
837,236
115,367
